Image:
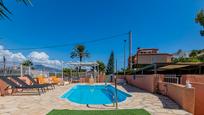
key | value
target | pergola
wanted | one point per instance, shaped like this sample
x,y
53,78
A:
x,y
82,64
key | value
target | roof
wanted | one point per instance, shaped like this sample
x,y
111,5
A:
x,y
191,63
148,49
169,67
82,63
155,54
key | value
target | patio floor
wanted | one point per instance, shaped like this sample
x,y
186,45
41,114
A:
x,y
41,105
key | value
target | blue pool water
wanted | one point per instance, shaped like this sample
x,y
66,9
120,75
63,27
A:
x,y
94,94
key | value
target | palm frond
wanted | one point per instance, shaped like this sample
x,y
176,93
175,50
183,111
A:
x,y
200,18
4,11
79,51
26,2
4,15
3,7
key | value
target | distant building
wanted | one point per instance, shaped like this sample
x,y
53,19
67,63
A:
x,y
146,56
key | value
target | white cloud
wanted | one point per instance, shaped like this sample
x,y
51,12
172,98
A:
x,y
18,57
43,58
10,56
36,57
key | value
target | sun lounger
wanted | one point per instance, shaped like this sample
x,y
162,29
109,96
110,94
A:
x,y
25,84
14,86
55,80
34,82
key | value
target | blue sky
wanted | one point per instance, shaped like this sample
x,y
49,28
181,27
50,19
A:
x,y
165,24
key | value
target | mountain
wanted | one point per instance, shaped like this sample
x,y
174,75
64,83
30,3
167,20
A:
x,y
46,68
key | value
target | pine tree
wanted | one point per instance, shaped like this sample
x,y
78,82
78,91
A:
x,y
110,65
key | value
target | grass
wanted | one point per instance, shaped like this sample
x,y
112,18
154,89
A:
x,y
100,112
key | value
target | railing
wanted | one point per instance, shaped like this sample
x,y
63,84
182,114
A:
x,y
171,78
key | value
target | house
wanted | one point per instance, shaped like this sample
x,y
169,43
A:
x,y
146,56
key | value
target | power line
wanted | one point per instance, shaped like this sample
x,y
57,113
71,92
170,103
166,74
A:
x,y
64,45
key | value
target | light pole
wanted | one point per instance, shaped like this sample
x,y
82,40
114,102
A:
x,y
124,57
62,64
138,49
116,93
4,61
130,49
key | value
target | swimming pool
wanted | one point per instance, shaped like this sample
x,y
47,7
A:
x,y
94,94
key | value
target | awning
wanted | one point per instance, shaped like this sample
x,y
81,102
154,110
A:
x,y
170,67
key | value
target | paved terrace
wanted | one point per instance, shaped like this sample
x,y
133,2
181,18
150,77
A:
x,y
40,105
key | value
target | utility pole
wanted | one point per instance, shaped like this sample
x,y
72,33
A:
x,y
116,66
4,62
21,70
62,64
116,90
124,57
130,50
138,50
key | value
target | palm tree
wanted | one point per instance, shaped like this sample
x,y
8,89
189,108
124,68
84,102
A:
x,y
27,63
4,11
80,52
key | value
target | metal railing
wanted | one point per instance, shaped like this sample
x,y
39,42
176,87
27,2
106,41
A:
x,y
171,78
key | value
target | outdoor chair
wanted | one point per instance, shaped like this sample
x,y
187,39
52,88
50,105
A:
x,y
55,80
15,86
45,84
21,82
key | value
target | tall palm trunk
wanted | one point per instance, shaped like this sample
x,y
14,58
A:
x,y
80,59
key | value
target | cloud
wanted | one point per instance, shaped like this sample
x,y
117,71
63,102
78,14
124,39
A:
x,y
36,57
10,56
43,58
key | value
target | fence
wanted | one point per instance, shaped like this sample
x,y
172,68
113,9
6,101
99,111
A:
x,y
171,78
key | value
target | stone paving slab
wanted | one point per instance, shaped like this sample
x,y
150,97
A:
x,y
41,105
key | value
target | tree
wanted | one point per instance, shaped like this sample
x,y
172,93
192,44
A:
x,y
193,53
80,52
200,20
101,66
4,11
67,71
110,65
27,63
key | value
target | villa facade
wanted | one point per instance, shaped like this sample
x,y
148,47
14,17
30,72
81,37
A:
x,y
147,56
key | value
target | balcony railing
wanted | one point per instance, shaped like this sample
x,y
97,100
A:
x,y
171,78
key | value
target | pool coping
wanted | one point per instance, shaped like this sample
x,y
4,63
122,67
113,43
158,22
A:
x,y
77,104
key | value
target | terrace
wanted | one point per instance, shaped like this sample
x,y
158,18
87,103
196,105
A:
x,y
148,92
40,105
40,36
